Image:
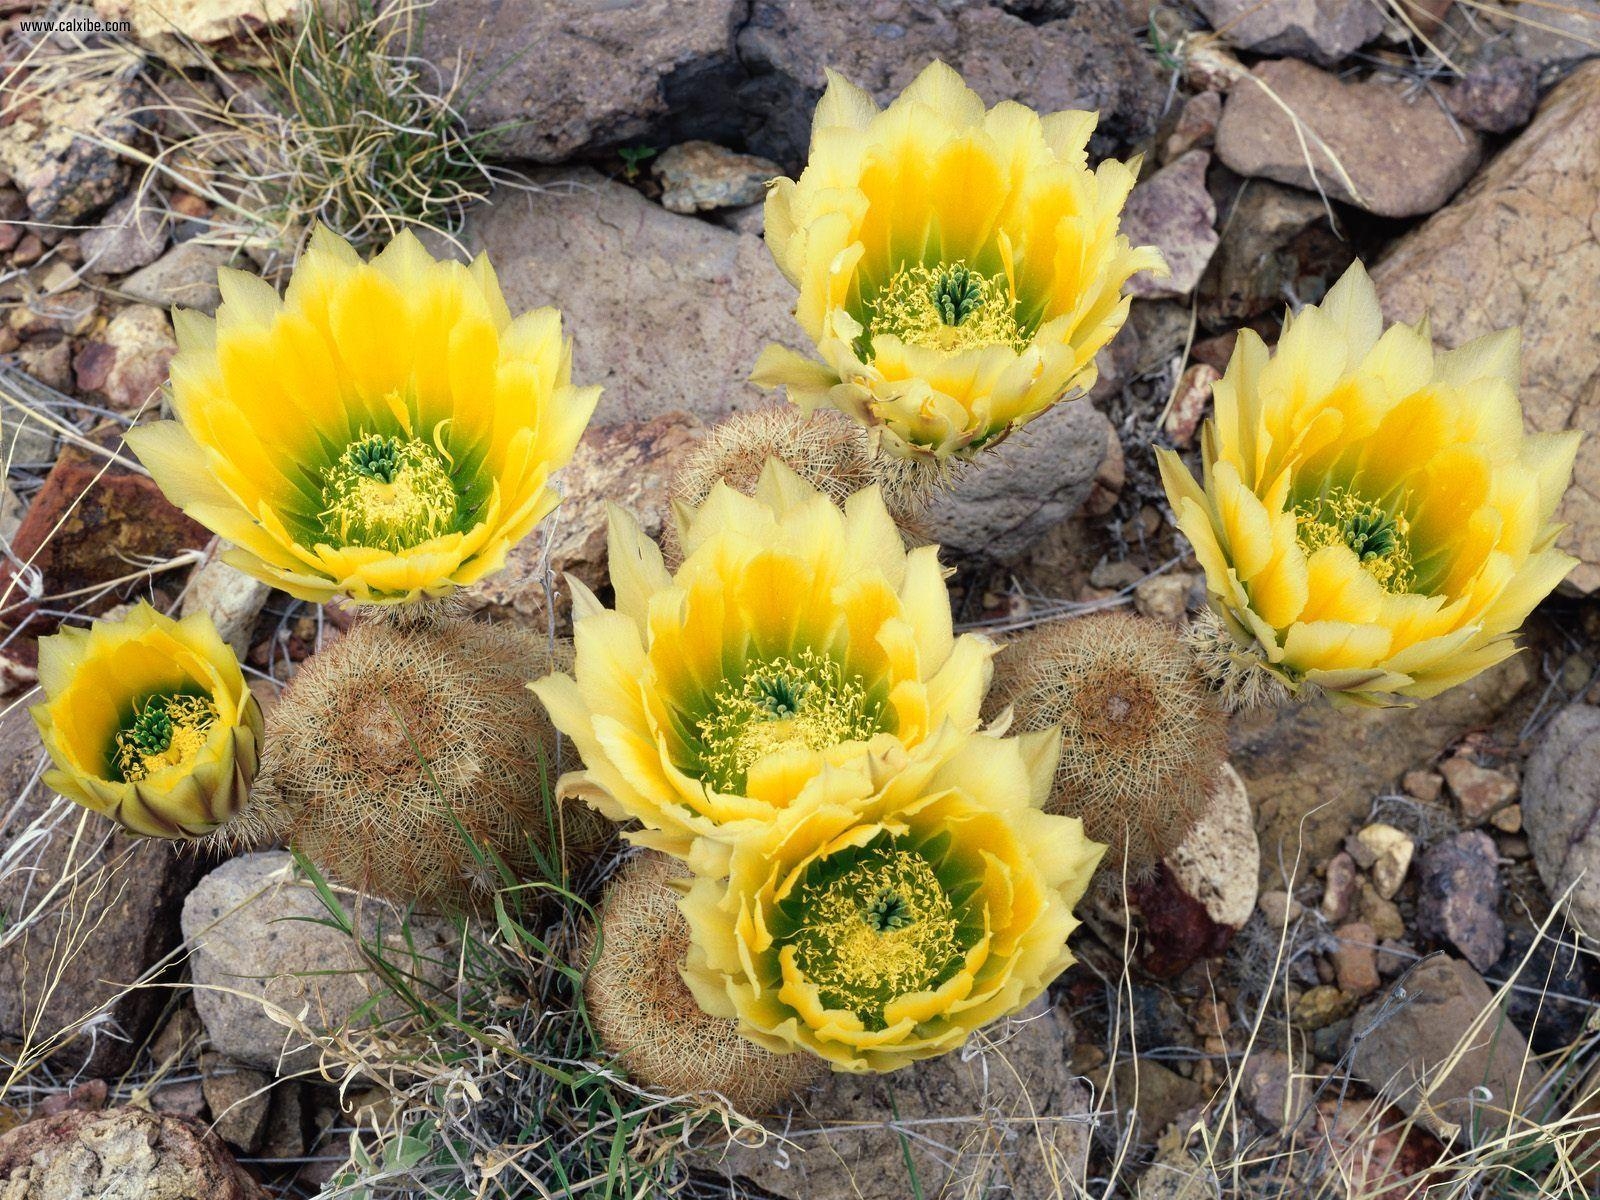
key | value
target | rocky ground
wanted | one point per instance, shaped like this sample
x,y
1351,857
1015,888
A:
x,y
1369,886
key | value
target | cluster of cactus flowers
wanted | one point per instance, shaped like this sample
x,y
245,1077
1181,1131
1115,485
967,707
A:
x,y
861,836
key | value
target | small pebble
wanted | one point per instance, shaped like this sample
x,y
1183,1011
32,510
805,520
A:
x,y
1339,887
1424,785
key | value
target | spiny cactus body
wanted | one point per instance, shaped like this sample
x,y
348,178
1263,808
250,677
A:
x,y
400,742
826,449
647,1016
1141,739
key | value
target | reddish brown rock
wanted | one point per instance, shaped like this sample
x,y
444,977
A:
x,y
121,1154
88,525
1401,155
1355,960
126,364
1479,791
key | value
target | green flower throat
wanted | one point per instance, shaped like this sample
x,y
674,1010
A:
x,y
873,925
389,493
800,701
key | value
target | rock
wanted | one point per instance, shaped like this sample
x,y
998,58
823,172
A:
x,y
1435,1041
1391,851
750,220
173,28
1274,1088
1082,58
667,312
86,524
1038,477
1424,785
1196,125
1375,1150
256,951
1158,1094
1508,819
10,513
1312,770
85,915
1557,33
1338,887
1276,244
1380,913
122,1153
25,442
1458,896
701,176
184,277
52,315
1479,791
1518,248
1323,30
1355,959
180,1098
239,1099
630,465
1496,97
232,599
131,235
1402,156
127,363
1173,211
55,148
590,76
1219,862
1280,909
50,362
1560,807
1163,598
840,1141
1190,402
1178,929
1321,1006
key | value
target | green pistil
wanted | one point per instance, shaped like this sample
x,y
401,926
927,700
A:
x,y
879,928
802,701
1379,538
389,494
165,731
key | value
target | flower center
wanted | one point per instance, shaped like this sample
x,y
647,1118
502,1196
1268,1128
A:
x,y
166,731
876,926
949,307
1377,537
388,494
801,702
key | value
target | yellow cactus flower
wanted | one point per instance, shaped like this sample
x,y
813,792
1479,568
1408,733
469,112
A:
x,y
1373,519
149,721
897,903
794,633
958,267
384,431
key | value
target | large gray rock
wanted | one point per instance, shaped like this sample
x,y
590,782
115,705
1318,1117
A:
x,y
1029,1141
667,312
1402,154
1561,812
184,277
556,77
1013,494
1552,33
1082,58
132,234
1324,30
86,913
260,959
1519,247
1458,897
1435,1042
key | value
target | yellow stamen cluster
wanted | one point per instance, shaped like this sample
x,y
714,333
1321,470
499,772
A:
x,y
1380,539
166,731
884,926
802,702
949,307
389,493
